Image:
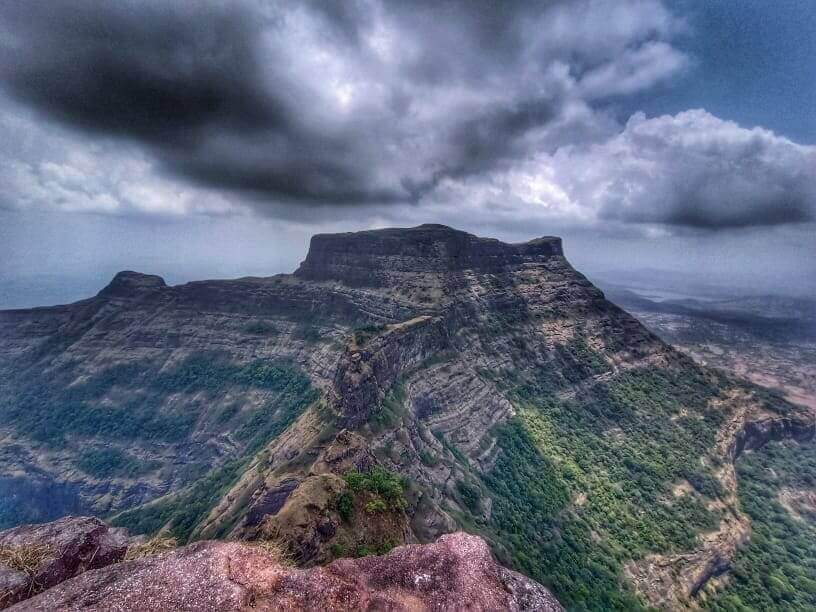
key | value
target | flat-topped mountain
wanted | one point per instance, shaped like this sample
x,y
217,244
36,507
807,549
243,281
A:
x,y
386,257
401,384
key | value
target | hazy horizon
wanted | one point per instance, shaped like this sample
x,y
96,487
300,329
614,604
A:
x,y
45,286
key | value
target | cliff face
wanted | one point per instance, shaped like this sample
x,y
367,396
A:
x,y
391,257
512,397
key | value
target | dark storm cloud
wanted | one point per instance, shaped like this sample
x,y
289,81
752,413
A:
x,y
178,76
482,143
155,72
713,209
189,80
370,102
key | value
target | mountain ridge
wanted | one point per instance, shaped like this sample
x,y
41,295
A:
x,y
511,398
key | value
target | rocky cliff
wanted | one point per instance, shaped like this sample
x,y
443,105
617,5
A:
x,y
457,571
493,381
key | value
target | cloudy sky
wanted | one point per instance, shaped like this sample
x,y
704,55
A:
x,y
211,139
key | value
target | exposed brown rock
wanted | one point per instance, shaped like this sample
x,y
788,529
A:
x,y
54,552
349,451
457,572
311,528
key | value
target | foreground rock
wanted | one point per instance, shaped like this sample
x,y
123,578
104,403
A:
x,y
456,572
37,557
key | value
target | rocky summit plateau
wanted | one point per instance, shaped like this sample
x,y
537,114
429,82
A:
x,y
400,385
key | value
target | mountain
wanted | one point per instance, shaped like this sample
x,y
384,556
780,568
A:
x,y
401,384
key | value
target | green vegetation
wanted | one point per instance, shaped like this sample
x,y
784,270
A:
x,y
584,484
428,459
184,510
110,462
345,506
382,548
452,449
569,363
371,506
291,394
375,505
777,569
380,490
391,411
470,495
134,392
384,485
337,550
48,410
362,335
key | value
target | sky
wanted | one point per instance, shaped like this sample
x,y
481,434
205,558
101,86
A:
x,y
212,139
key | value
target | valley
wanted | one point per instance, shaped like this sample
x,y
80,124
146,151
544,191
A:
x,y
768,340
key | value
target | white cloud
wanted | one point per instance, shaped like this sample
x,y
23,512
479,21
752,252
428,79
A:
x,y
634,70
694,170
690,170
45,167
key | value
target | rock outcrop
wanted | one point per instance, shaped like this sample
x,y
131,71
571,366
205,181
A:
x,y
756,433
130,284
456,572
37,557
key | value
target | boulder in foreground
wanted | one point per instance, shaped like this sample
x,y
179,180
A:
x,y
36,557
456,572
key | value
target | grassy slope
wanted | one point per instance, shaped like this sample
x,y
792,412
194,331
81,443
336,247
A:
x,y
290,395
125,406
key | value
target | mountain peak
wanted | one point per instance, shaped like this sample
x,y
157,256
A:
x,y
128,284
379,257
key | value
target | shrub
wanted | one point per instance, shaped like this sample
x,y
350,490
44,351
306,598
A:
x,y
375,505
110,462
469,495
381,482
345,506
428,459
